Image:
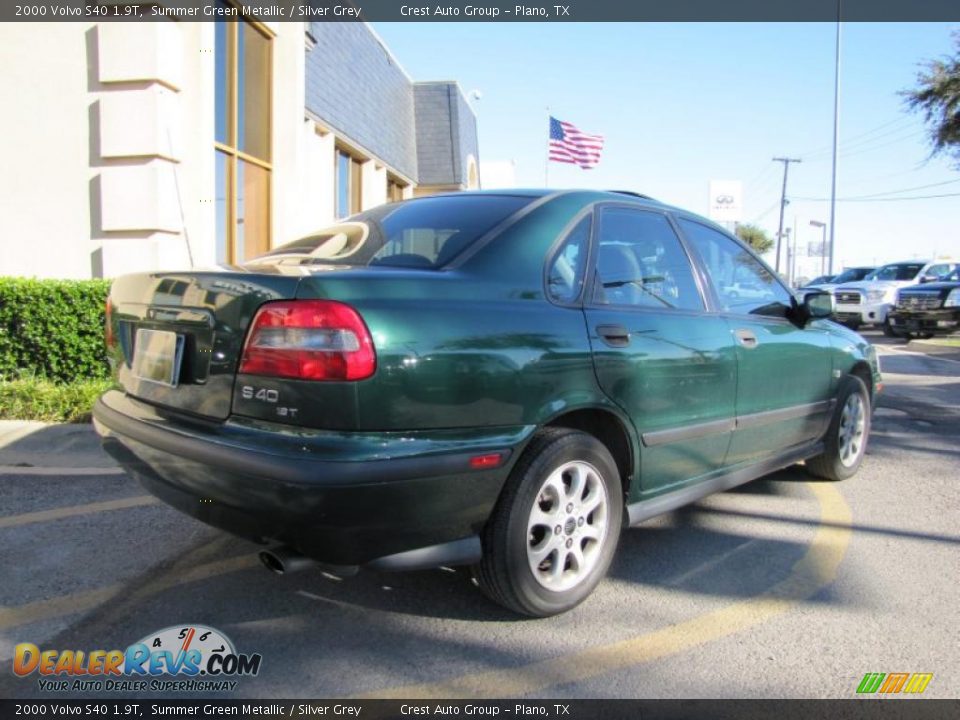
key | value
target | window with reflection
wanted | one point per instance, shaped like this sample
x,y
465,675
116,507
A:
x,y
348,188
742,283
641,263
242,68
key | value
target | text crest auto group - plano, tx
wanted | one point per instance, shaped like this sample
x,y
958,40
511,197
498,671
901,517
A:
x,y
475,11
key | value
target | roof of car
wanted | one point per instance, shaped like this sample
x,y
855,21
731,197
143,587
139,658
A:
x,y
543,192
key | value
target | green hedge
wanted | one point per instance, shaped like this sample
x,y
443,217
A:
x,y
35,399
52,329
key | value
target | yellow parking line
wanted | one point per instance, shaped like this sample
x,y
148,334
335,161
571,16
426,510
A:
x,y
74,510
813,572
11,617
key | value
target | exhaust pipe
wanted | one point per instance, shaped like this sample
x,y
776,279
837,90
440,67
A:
x,y
284,560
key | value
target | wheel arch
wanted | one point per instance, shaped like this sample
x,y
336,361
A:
x,y
862,370
611,430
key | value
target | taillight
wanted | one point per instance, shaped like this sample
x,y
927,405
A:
x,y
309,340
108,336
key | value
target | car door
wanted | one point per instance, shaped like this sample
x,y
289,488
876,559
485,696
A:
x,y
784,372
657,354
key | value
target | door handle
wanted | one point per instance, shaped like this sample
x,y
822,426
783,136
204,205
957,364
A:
x,y
614,335
746,338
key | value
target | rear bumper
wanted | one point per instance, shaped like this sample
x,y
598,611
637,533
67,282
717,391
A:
x,y
938,322
395,500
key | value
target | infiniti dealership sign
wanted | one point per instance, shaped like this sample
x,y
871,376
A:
x,y
726,200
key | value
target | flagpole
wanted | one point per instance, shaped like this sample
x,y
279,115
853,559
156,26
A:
x,y
546,155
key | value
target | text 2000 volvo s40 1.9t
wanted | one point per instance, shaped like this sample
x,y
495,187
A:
x,y
496,379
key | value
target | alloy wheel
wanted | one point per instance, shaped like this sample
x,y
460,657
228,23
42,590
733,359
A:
x,y
851,431
567,526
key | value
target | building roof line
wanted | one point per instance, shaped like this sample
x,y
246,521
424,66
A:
x,y
456,84
389,52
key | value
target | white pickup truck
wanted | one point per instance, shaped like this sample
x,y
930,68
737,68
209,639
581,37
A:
x,y
869,301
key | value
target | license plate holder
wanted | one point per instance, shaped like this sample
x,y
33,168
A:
x,y
157,356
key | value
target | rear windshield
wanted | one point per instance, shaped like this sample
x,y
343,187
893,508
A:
x,y
906,271
422,233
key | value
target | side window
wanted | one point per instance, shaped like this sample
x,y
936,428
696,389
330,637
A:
x,y
743,284
641,262
939,271
565,276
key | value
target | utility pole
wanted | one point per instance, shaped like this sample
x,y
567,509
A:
x,y
783,203
836,137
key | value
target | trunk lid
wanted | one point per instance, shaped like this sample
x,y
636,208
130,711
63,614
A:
x,y
191,328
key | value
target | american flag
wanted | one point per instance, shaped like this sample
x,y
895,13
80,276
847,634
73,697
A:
x,y
570,145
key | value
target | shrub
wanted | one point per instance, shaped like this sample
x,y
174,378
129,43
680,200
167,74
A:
x,y
37,399
52,329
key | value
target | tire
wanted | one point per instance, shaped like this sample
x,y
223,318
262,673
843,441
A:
x,y
846,438
888,330
541,520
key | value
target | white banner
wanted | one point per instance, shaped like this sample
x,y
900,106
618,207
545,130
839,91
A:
x,y
726,200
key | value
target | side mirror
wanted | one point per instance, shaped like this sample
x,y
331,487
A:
x,y
817,304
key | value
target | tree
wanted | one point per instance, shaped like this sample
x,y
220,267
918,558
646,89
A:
x,y
756,237
938,98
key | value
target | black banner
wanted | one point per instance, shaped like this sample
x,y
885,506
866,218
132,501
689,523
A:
x,y
892,709
488,10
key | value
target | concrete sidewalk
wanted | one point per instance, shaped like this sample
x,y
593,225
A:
x,y
26,444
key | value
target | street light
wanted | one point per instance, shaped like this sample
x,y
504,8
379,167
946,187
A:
x,y
823,245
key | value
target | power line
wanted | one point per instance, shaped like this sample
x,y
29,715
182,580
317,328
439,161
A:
x,y
859,150
762,173
882,199
851,146
899,173
897,192
871,148
827,148
886,192
766,212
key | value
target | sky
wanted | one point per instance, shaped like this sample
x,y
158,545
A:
x,y
682,104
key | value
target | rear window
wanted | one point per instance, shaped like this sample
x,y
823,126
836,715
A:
x,y
422,233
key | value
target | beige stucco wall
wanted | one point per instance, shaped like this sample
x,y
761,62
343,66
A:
x,y
47,175
109,155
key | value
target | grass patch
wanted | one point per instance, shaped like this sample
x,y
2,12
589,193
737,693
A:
x,y
945,341
40,399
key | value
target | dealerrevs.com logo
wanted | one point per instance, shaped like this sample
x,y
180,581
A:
x,y
182,658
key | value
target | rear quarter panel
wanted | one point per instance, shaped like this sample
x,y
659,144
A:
x,y
474,346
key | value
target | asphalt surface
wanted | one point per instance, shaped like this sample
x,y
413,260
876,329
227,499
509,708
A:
x,y
784,588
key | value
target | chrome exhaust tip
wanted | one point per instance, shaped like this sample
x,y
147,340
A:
x,y
285,560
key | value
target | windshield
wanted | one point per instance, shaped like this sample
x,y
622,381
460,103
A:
x,y
423,233
852,275
900,272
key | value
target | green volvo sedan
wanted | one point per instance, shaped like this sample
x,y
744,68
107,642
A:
x,y
503,379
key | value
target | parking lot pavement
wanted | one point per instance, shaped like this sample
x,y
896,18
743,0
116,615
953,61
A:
x,y
785,587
